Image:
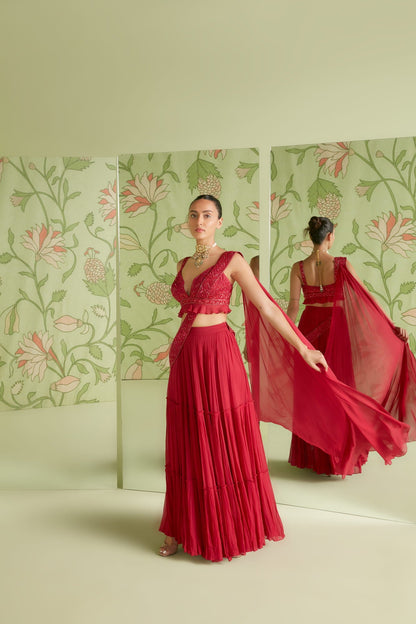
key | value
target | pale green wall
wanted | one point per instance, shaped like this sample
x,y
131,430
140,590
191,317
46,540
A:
x,y
100,78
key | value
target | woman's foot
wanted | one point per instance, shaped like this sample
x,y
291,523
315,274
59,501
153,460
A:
x,y
170,547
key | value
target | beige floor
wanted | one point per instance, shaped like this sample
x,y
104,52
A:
x,y
88,557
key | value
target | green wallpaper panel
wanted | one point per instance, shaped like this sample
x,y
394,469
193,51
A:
x,y
57,281
368,189
155,193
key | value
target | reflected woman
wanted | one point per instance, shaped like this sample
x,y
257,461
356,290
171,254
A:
x,y
361,344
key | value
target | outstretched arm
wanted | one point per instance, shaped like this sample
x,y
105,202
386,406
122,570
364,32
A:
x,y
239,270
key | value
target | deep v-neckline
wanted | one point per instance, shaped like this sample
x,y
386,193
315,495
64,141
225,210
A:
x,y
196,276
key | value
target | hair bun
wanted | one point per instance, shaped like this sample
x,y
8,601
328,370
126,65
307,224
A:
x,y
315,223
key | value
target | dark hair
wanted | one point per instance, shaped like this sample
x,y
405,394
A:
x,y
318,229
211,198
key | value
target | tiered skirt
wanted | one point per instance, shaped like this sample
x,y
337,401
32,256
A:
x,y
219,500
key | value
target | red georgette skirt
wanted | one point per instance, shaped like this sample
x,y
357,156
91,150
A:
x,y
314,324
219,500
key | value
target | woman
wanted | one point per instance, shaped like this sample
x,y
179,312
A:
x,y
360,343
219,500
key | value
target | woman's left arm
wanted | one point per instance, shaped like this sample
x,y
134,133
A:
x,y
239,270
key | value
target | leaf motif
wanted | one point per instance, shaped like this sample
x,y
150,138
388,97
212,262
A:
x,y
285,275
58,295
125,328
110,280
44,280
24,294
134,269
82,392
76,164
72,226
97,288
10,237
164,261
236,210
125,303
166,164
24,198
407,287
82,369
89,219
320,189
5,258
64,348
50,172
273,168
138,336
289,183
163,321
201,169
66,187
390,272
95,351
400,157
167,278
369,286
73,195
349,249
231,230
69,271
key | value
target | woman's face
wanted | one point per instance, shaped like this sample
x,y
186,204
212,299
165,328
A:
x,y
203,220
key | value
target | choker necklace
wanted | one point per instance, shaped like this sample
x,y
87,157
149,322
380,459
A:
x,y
201,253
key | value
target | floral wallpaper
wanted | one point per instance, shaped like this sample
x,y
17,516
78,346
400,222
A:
x,y
368,189
155,193
57,281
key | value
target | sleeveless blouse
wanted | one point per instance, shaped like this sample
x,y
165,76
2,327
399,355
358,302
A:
x,y
314,294
210,290
209,294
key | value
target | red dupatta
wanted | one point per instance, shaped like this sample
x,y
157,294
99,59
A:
x,y
365,352
316,406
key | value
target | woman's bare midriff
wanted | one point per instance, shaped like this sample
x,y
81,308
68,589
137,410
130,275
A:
x,y
206,320
329,304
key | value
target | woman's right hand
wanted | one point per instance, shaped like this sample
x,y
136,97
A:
x,y
314,358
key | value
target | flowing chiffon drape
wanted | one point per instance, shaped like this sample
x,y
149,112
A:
x,y
364,350
317,407
362,347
